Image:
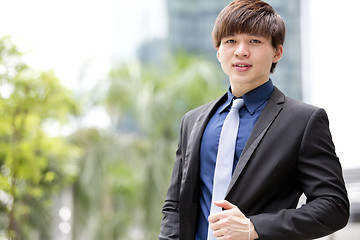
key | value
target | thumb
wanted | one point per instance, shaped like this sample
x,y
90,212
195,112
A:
x,y
225,204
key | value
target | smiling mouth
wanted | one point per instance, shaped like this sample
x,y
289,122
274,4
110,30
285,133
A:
x,y
242,65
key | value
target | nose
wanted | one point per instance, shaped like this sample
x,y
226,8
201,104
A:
x,y
242,51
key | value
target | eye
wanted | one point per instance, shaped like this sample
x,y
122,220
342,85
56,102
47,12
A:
x,y
255,41
229,41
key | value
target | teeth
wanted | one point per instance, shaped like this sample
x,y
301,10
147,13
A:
x,y
241,65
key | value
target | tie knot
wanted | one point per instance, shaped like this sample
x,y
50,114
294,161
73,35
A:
x,y
238,103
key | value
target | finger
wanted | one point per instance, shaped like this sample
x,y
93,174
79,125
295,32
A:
x,y
218,233
214,217
225,204
222,204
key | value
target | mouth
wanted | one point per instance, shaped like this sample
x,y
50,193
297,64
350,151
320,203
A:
x,y
242,67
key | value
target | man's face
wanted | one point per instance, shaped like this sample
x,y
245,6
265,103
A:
x,y
247,60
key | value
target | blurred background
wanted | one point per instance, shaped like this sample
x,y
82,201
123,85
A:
x,y
92,93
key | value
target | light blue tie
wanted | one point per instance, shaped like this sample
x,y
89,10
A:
x,y
225,157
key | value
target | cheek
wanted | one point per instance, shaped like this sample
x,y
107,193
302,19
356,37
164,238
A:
x,y
224,67
225,57
269,59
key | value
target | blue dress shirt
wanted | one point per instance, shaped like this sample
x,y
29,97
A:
x,y
255,102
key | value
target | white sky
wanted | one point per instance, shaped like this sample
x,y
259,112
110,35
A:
x,y
66,35
60,35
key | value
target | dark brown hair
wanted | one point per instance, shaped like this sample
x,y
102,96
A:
x,y
253,17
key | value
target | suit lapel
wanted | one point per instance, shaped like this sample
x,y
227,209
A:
x,y
192,157
268,115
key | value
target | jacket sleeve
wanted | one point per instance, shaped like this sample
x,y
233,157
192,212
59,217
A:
x,y
170,221
320,176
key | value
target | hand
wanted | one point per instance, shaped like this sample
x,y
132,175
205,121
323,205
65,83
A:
x,y
231,223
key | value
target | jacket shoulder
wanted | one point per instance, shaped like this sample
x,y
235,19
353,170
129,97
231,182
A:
x,y
292,104
193,114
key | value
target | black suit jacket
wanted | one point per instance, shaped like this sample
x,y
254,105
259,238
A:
x,y
289,152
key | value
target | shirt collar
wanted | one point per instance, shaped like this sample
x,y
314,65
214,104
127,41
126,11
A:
x,y
253,99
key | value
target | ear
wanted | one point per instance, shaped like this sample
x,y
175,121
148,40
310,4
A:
x,y
278,53
218,54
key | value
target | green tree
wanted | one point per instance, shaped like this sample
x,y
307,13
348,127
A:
x,y
33,165
126,169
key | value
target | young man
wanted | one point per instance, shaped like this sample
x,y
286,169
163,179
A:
x,y
282,148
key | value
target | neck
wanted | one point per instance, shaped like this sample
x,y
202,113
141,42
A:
x,y
240,89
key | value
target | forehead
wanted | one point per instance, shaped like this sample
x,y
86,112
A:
x,y
248,35
249,28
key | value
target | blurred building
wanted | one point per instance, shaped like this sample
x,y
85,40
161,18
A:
x,y
191,23
287,74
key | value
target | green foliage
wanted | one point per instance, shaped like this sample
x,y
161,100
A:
x,y
126,170
33,165
10,60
